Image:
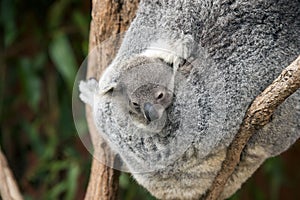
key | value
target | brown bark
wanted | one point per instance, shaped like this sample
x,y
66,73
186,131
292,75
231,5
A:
x,y
109,18
258,115
8,187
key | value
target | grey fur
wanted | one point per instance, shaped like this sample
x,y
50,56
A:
x,y
240,48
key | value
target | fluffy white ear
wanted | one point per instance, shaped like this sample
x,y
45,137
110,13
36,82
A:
x,y
87,91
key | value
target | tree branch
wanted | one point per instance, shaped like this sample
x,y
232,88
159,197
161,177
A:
x,y
109,18
8,187
258,115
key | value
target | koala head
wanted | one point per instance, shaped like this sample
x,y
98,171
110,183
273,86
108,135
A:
x,y
149,101
146,87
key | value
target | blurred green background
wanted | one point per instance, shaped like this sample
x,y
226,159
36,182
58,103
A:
x,y
43,44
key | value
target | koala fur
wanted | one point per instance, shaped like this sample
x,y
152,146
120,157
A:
x,y
236,49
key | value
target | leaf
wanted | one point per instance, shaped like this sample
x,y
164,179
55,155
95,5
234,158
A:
x,y
274,169
57,12
82,22
57,190
124,180
34,136
73,174
39,61
7,19
63,57
31,83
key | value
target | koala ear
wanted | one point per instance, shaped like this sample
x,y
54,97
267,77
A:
x,y
108,89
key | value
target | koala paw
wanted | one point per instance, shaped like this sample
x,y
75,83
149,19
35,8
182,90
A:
x,y
87,90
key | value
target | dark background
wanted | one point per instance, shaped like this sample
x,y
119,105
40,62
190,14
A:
x,y
42,46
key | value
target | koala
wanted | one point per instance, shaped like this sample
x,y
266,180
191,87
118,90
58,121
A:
x,y
173,98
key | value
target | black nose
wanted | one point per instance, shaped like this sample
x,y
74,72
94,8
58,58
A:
x,y
151,113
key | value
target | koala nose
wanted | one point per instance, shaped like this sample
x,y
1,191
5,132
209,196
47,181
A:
x,y
150,112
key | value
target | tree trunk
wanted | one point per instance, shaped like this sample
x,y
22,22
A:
x,y
8,187
109,18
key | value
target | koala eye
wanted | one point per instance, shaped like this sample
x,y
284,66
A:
x,y
135,104
160,95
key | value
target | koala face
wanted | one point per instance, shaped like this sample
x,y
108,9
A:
x,y
149,101
143,87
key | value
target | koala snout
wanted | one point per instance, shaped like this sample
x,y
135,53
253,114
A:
x,y
153,112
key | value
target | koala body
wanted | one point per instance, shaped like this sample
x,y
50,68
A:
x,y
174,147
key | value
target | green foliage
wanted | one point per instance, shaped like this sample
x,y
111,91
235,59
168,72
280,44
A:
x,y
63,57
29,79
8,19
274,170
43,48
